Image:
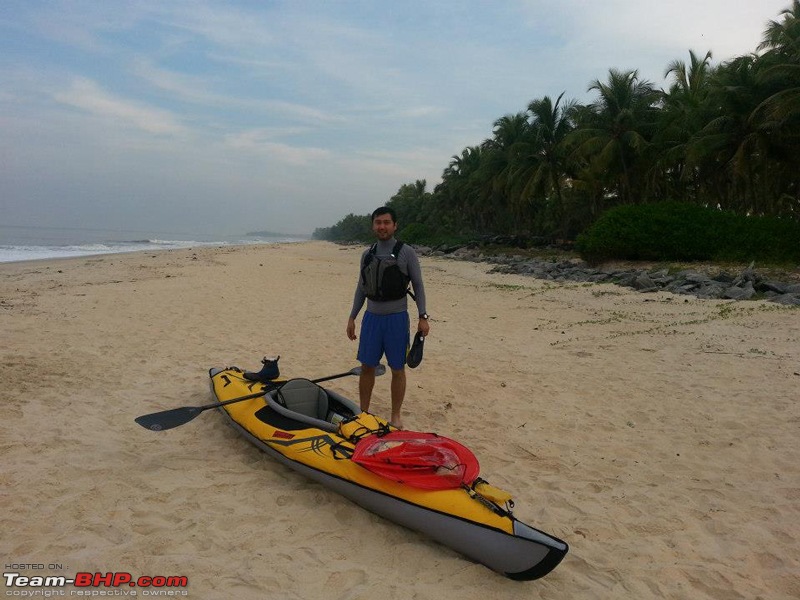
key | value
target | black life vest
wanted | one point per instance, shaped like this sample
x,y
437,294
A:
x,y
381,277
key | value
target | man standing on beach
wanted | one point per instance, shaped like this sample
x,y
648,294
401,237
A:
x,y
385,326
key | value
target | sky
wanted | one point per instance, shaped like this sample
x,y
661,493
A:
x,y
223,117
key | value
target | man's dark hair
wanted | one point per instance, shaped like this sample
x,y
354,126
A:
x,y
385,210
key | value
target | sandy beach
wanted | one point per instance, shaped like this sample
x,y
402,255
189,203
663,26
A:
x,y
658,435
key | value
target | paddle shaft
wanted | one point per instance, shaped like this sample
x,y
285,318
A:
x,y
263,392
175,417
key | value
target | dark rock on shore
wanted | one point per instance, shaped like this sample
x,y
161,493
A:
x,y
747,285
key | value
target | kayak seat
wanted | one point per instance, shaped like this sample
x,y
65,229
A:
x,y
305,397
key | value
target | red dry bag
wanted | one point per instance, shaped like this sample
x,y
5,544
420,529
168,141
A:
x,y
423,460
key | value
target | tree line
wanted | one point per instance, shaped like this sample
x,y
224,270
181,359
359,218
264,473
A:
x,y
723,136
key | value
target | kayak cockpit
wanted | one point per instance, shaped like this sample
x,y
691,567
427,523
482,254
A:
x,y
301,403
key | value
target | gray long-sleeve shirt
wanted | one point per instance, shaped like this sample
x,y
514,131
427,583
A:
x,y
409,264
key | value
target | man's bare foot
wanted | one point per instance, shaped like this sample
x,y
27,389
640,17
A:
x,y
396,422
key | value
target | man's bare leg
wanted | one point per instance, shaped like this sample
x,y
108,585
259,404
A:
x,y
398,394
366,382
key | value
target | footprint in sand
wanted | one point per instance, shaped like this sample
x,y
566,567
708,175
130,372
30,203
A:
x,y
343,582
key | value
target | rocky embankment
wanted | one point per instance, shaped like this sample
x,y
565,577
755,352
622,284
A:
x,y
748,284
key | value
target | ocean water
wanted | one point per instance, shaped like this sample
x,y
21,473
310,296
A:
x,y
18,243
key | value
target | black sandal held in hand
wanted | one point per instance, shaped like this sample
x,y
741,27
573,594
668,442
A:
x,y
414,356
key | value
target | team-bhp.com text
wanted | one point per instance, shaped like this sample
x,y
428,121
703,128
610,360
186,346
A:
x,y
95,584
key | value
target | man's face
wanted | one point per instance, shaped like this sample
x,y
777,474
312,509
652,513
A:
x,y
383,226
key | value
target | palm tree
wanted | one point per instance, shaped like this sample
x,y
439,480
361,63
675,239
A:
x,y
734,150
459,191
409,202
780,110
784,35
782,45
511,135
615,131
691,81
540,168
684,113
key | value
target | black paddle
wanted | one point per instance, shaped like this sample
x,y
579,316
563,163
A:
x,y
175,417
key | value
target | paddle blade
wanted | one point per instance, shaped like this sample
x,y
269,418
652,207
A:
x,y
169,418
379,370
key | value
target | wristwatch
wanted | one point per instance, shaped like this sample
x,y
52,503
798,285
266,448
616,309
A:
x,y
424,316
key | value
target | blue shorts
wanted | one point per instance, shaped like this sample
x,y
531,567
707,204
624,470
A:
x,y
384,334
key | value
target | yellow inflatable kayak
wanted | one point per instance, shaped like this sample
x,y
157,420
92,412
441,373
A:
x,y
316,431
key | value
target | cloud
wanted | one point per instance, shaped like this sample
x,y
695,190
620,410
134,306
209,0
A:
x,y
303,110
259,142
90,97
200,91
647,36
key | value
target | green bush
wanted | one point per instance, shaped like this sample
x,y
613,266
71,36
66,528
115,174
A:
x,y
767,239
671,231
